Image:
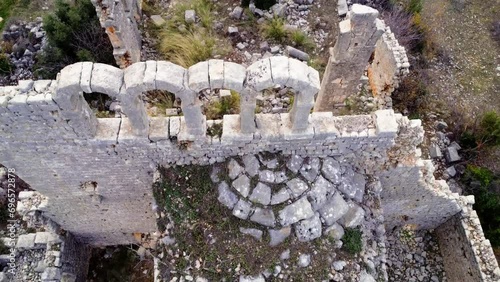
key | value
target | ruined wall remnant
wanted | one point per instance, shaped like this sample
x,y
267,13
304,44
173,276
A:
x,y
349,57
119,19
467,254
390,64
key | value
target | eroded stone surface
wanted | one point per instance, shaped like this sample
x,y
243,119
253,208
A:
x,y
308,229
261,194
301,209
242,185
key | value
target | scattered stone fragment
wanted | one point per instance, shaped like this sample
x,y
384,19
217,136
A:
x,y
236,13
308,229
297,187
296,53
339,265
285,255
240,46
167,240
190,16
234,169
226,197
441,125
264,46
279,10
456,145
342,7
278,236
26,241
232,30
452,154
258,278
280,197
275,49
51,273
354,216
266,176
242,185
251,165
451,171
300,209
157,20
256,233
334,209
365,277
335,231
435,151
261,194
304,260
264,217
242,209
269,163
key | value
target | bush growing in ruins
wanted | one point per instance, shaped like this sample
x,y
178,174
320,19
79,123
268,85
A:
x,y
74,34
226,105
5,65
275,29
485,186
187,44
352,241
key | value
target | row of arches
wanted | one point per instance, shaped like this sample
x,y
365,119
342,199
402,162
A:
x,y
128,85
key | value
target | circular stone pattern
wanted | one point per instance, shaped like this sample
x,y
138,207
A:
x,y
312,195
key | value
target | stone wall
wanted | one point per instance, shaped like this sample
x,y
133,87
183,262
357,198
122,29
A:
x,y
467,255
349,57
390,64
119,19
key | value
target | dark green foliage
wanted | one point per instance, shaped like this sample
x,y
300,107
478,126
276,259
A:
x,y
245,3
74,35
5,8
352,241
485,133
3,248
482,183
5,65
414,6
264,4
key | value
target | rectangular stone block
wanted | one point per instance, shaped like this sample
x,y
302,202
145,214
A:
x,y
41,85
324,125
259,76
234,76
86,76
385,123
231,130
26,242
134,78
280,69
268,127
150,75
198,76
158,129
107,130
216,73
170,77
174,126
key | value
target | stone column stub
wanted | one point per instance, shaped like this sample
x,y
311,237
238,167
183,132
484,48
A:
x,y
349,57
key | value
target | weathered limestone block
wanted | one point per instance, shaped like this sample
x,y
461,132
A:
x,y
107,130
86,77
308,229
199,77
247,110
259,75
280,69
234,76
150,75
385,122
41,85
264,217
158,128
106,79
216,73
349,57
226,197
68,84
170,77
299,210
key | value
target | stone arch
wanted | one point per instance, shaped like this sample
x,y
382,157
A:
x,y
218,74
291,73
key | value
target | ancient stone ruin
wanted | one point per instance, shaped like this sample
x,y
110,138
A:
x,y
94,175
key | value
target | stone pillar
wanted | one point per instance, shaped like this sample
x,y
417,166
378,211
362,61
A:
x,y
349,57
248,103
119,18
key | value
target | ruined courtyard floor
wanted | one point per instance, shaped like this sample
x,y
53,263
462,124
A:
x,y
282,219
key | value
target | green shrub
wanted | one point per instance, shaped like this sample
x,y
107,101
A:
x,y
482,134
226,105
5,66
264,4
481,182
414,6
300,39
5,9
352,241
74,34
275,29
187,49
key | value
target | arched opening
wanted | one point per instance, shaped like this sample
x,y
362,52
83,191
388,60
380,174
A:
x,y
102,105
161,103
275,100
